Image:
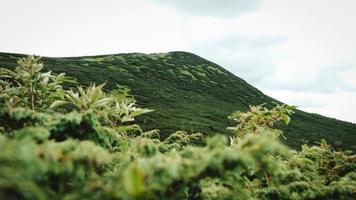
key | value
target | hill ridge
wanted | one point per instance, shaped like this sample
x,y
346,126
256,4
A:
x,y
189,93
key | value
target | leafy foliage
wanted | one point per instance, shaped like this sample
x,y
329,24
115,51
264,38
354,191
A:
x,y
26,86
260,119
108,108
77,150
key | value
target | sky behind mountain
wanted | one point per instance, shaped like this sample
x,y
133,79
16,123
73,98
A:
x,y
301,52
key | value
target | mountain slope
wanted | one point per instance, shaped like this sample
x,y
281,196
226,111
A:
x,y
189,93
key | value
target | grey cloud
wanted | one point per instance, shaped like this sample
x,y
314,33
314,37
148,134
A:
x,y
247,57
215,8
251,69
235,42
327,80
308,103
251,59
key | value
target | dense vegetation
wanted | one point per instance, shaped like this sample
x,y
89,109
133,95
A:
x,y
63,142
189,93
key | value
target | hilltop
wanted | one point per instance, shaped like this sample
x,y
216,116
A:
x,y
189,93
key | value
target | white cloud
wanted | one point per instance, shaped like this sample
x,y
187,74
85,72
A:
x,y
82,27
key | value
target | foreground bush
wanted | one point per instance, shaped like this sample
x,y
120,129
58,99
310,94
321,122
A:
x,y
77,143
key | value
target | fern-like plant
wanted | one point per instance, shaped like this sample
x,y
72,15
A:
x,y
28,86
107,107
260,119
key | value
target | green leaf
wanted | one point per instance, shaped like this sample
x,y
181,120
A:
x,y
58,103
134,181
285,118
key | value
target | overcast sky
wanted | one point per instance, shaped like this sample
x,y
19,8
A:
x,y
302,52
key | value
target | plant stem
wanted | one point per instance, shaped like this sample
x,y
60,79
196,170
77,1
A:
x,y
32,95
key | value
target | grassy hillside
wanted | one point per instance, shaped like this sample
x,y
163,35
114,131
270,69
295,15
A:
x,y
189,93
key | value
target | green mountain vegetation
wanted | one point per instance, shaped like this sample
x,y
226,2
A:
x,y
60,140
189,93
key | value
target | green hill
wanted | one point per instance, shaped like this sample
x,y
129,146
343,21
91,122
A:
x,y
189,93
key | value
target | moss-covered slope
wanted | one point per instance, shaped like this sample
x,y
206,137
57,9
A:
x,y
189,93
